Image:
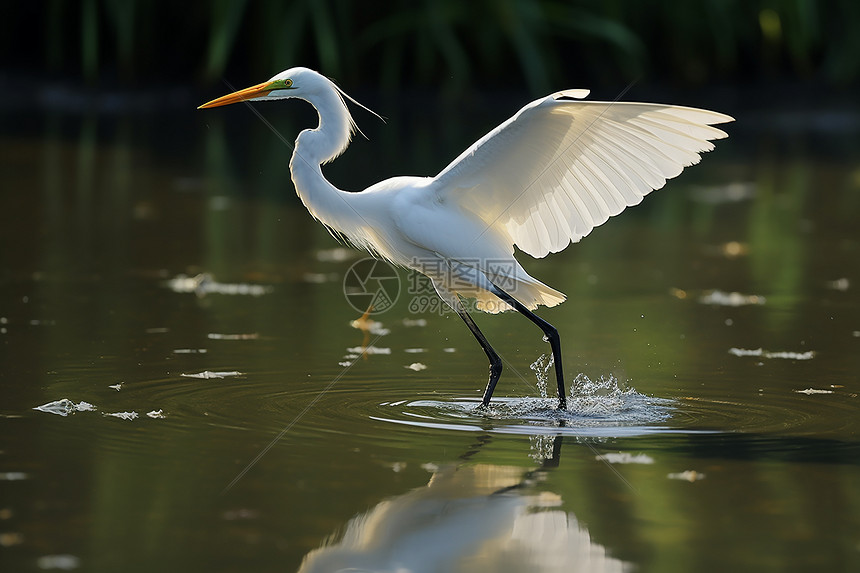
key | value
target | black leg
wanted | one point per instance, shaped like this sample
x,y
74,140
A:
x,y
495,361
551,335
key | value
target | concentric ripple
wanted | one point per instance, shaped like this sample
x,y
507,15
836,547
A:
x,y
595,408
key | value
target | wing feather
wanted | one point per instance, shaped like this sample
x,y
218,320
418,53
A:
x,y
560,167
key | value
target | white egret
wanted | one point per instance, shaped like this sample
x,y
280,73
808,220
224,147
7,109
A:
x,y
540,181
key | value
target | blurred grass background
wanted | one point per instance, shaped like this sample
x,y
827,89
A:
x,y
536,45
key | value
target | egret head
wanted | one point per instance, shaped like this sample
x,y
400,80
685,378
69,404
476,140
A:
x,y
292,83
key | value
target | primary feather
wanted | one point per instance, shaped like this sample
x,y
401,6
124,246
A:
x,y
559,167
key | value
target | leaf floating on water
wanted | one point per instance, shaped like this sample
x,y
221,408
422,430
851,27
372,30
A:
x,y
811,391
207,374
65,407
808,355
720,298
122,415
689,475
624,458
157,414
416,366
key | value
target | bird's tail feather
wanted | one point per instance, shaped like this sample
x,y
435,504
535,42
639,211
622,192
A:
x,y
530,294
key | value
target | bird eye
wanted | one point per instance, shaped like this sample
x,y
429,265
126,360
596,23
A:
x,y
288,83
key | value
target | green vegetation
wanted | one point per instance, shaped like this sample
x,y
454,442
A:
x,y
456,44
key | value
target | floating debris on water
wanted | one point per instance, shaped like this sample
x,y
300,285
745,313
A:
x,y
190,351
810,391
412,322
241,513
720,298
624,458
839,284
370,325
116,387
207,375
808,355
336,255
320,278
678,293
217,336
122,415
368,350
416,366
689,475
729,193
10,539
62,562
204,283
414,350
729,250
13,476
156,414
449,350
65,407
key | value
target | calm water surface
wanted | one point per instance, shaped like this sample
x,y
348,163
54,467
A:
x,y
160,278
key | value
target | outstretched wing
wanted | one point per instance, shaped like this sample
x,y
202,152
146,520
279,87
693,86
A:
x,y
560,167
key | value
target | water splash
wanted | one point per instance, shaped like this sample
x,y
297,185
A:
x,y
541,447
541,368
599,402
604,397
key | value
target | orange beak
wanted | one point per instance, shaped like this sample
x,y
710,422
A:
x,y
252,92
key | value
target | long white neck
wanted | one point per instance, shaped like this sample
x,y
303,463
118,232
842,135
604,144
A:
x,y
315,147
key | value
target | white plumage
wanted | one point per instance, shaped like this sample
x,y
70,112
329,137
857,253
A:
x,y
540,181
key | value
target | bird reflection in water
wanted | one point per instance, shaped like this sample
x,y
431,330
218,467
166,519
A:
x,y
478,517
